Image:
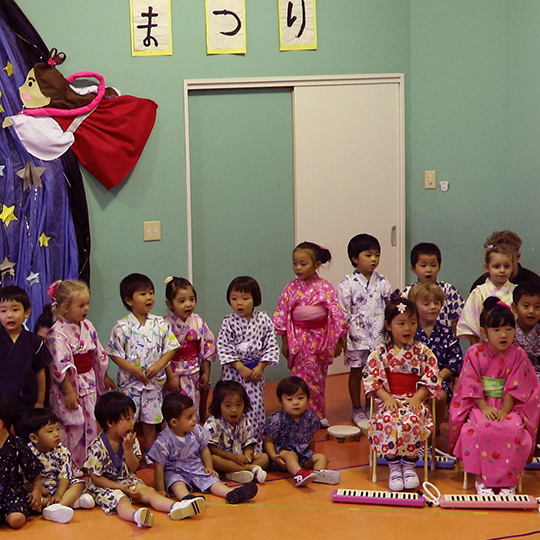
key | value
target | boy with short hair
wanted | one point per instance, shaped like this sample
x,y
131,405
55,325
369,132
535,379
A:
x,y
142,345
362,296
526,306
16,463
426,260
290,436
23,356
60,490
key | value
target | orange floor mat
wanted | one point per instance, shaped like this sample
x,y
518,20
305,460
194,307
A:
x,y
281,510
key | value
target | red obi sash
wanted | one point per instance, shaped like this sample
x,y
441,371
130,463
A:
x,y
402,383
83,362
189,350
311,317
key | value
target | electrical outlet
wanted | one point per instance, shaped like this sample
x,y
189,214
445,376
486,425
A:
x,y
430,179
444,186
152,231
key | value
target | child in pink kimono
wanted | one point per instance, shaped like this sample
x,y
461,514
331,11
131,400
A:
x,y
402,373
495,409
79,367
311,322
189,370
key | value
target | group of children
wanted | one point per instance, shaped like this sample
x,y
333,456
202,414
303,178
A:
x,y
401,347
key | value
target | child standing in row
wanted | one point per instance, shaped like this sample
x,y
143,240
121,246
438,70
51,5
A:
x,y
426,260
311,323
183,460
232,441
23,356
189,370
290,436
246,346
79,367
402,373
495,411
499,264
362,296
142,345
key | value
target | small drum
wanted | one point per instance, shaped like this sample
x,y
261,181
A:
x,y
343,433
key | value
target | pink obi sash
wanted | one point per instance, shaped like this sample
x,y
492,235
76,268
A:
x,y
83,362
402,383
311,317
188,351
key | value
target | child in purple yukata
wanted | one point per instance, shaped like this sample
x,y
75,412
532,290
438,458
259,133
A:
x,y
23,357
362,296
183,460
17,463
290,436
247,346
142,345
495,410
79,368
232,442
189,370
113,457
426,260
401,373
311,323
61,492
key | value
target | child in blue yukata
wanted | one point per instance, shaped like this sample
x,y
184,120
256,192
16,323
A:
x,y
362,296
426,260
232,439
526,307
183,460
112,459
61,492
290,436
142,345
16,463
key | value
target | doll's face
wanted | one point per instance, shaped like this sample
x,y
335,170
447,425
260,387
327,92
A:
x,y
30,92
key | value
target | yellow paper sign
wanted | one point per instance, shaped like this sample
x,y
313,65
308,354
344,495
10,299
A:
x,y
151,30
297,25
225,26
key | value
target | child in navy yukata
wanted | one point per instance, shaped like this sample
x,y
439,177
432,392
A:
x,y
426,260
246,346
23,357
142,345
362,296
17,463
61,492
290,436
183,460
113,458
232,442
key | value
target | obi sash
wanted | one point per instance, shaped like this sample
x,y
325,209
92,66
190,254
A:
x,y
493,387
188,351
250,362
402,383
83,362
311,317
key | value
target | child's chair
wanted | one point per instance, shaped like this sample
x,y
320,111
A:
x,y
373,454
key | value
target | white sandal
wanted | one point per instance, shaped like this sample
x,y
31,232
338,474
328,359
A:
x,y
481,489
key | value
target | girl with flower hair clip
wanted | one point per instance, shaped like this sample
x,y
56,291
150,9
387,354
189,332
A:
x,y
401,373
79,367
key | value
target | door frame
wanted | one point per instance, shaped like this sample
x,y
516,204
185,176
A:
x,y
292,82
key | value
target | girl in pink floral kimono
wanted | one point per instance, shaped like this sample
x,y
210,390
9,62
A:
x,y
495,409
310,321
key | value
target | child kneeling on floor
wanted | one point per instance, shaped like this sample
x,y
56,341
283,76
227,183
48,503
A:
x,y
183,460
61,492
112,459
290,436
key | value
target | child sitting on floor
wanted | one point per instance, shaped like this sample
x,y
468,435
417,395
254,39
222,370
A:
x,y
183,460
290,436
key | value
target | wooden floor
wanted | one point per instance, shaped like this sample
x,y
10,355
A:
x,y
281,510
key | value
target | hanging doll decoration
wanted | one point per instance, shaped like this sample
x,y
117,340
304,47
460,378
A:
x,y
106,131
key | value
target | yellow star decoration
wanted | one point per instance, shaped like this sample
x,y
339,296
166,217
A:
x,y
44,240
8,214
1,108
9,69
